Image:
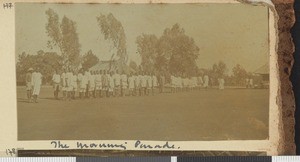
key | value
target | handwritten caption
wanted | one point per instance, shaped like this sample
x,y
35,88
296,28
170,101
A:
x,y
137,144
8,5
11,152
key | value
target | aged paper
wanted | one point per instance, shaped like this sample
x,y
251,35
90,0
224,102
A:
x,y
180,76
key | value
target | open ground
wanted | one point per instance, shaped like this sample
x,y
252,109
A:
x,y
212,114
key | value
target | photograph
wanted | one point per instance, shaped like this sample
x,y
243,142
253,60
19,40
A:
x,y
155,72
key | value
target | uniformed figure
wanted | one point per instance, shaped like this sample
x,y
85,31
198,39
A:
x,y
56,83
124,83
29,84
131,84
206,81
36,83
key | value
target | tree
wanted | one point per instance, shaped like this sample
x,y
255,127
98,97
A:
x,y
180,50
147,48
173,52
133,65
89,60
64,36
220,69
47,62
113,31
239,74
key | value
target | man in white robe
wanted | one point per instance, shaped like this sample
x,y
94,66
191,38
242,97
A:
x,y
36,83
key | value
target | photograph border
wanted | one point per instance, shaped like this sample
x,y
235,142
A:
x,y
281,96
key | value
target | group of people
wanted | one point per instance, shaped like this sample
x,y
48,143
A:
x,y
249,83
105,83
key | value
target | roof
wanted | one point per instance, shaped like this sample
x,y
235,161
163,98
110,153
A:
x,y
263,69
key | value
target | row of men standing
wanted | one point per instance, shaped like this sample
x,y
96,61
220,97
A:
x,y
103,83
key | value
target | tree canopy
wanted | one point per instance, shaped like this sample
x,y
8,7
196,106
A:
x,y
89,60
113,31
174,51
64,36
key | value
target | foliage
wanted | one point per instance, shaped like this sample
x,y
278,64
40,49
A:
x,y
113,31
89,60
64,36
174,52
133,65
147,48
239,74
220,69
47,62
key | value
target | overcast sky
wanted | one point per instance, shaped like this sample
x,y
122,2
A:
x,y
233,33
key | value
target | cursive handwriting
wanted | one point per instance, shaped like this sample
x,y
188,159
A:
x,y
137,144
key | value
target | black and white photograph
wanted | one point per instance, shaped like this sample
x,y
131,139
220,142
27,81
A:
x,y
157,72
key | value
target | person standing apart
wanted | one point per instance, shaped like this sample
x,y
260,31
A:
x,y
36,83
29,84
56,83
251,83
206,81
221,83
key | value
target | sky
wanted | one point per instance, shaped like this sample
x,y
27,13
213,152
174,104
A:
x,y
232,33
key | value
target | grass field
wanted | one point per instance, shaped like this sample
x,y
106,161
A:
x,y
234,114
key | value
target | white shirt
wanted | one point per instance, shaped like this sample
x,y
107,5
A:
x,y
117,78
74,79
36,79
63,78
124,79
206,79
131,81
69,77
56,78
154,79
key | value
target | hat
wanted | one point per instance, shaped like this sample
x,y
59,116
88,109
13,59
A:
x,y
30,69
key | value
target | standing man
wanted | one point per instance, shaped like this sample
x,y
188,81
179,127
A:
x,y
162,80
221,83
92,84
98,83
36,83
124,84
69,77
29,84
56,83
82,84
206,81
74,84
64,84
117,81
